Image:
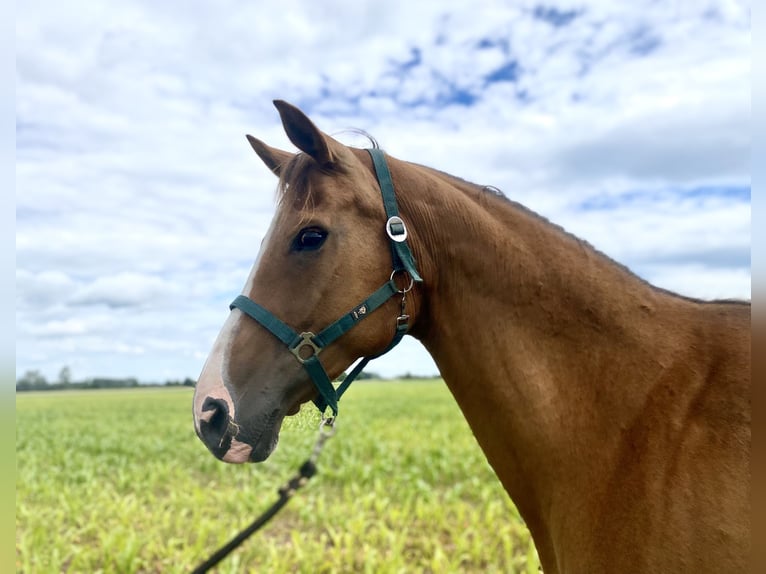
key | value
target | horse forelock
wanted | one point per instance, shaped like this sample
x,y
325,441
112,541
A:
x,y
295,178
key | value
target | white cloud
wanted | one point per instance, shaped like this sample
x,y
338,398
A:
x,y
140,206
124,290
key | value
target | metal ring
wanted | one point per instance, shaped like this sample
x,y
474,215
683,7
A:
x,y
409,287
398,237
327,426
306,341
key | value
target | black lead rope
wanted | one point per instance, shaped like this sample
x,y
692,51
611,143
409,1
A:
x,y
286,491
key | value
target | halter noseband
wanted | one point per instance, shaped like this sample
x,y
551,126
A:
x,y
307,346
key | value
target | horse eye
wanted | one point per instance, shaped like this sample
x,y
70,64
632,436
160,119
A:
x,y
309,239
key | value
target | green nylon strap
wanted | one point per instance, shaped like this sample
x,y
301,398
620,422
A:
x,y
385,181
267,319
400,251
327,392
327,396
345,323
329,334
401,331
408,262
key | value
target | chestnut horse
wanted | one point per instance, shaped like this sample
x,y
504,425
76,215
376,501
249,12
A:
x,y
616,414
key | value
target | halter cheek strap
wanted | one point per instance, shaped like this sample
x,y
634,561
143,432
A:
x,y
307,346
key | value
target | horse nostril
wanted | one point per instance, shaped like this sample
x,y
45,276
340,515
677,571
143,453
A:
x,y
214,426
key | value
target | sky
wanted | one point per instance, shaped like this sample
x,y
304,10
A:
x,y
140,207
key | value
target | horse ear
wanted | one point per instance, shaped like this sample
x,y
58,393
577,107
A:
x,y
275,159
306,136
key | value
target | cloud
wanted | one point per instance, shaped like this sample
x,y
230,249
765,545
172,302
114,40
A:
x,y
124,290
140,207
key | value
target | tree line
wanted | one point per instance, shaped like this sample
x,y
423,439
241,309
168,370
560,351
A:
x,y
34,380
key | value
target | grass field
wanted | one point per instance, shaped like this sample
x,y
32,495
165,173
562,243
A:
x,y
116,481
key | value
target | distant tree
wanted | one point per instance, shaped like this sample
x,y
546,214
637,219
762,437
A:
x,y
189,382
363,376
65,376
32,381
108,383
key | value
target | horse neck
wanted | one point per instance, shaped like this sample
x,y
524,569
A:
x,y
541,339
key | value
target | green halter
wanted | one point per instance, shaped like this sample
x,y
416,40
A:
x,y
403,262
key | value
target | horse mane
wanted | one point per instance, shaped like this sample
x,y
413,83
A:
x,y
492,198
294,178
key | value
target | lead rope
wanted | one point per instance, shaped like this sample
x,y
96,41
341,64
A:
x,y
286,491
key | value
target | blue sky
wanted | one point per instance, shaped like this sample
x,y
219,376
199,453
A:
x,y
140,207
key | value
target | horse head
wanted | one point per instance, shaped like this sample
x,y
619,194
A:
x,y
326,250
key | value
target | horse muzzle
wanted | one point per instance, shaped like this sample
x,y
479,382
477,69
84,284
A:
x,y
217,429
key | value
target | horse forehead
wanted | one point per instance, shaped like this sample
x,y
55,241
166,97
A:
x,y
329,192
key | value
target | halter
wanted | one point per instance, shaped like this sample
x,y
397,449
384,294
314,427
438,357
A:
x,y
307,346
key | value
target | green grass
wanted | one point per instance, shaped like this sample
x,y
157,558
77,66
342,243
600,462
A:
x,y
117,481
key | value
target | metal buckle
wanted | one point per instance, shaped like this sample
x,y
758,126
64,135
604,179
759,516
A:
x,y
327,430
306,340
398,234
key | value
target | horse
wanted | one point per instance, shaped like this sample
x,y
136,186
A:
x,y
616,414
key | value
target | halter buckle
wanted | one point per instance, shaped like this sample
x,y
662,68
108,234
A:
x,y
396,229
307,340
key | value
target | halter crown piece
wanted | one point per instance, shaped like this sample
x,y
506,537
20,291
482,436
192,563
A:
x,y
307,346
